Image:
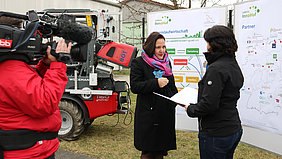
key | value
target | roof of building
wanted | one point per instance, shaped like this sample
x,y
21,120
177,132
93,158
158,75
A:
x,y
153,2
108,3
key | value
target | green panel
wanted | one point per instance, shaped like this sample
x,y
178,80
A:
x,y
192,50
170,51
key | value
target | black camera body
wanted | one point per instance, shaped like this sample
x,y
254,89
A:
x,y
10,37
28,45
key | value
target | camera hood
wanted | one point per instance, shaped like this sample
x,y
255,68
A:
x,y
15,42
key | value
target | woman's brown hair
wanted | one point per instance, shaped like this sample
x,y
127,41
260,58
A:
x,y
150,43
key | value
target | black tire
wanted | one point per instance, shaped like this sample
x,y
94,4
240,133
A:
x,y
72,121
88,124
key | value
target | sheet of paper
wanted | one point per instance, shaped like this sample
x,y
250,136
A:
x,y
184,97
163,96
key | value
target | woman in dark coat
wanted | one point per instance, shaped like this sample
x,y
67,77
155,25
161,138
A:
x,y
154,124
220,127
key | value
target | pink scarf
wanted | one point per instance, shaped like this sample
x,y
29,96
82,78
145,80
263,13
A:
x,y
158,64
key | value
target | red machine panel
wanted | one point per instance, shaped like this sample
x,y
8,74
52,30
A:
x,y
102,105
118,53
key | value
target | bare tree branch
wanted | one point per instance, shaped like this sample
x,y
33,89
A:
x,y
134,13
174,2
204,3
216,3
178,3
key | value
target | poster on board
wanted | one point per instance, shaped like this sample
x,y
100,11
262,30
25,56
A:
x,y
258,28
184,30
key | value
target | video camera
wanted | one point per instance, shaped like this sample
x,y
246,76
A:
x,y
27,43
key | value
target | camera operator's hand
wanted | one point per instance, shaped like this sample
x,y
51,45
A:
x,y
62,47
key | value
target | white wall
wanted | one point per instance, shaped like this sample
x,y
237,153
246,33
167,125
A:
x,y
22,6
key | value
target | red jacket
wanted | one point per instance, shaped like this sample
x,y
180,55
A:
x,y
28,101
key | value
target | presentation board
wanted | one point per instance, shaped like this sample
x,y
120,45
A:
x,y
258,29
183,30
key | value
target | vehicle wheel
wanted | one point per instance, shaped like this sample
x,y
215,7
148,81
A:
x,y
87,125
72,121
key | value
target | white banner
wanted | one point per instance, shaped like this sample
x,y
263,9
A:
x,y
258,28
183,30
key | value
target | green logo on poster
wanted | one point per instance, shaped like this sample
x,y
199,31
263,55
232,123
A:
x,y
252,12
163,20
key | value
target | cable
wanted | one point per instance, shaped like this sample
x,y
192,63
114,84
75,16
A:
x,y
117,122
129,111
129,108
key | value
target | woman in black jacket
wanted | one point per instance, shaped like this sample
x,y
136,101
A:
x,y
219,124
154,123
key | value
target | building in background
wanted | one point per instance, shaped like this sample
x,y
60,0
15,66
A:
x,y
134,19
23,6
133,31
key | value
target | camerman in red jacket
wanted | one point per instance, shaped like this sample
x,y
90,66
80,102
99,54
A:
x,y
29,114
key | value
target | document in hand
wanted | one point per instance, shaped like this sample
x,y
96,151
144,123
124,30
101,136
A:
x,y
184,97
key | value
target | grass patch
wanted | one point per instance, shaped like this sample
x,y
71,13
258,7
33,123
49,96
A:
x,y
109,137
124,71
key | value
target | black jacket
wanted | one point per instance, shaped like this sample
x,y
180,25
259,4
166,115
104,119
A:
x,y
218,93
154,123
